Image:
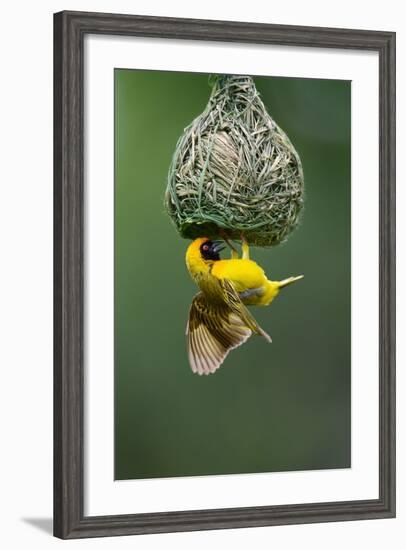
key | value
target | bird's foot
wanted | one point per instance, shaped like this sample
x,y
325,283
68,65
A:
x,y
234,251
245,248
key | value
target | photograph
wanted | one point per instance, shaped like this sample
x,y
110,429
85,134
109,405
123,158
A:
x,y
200,271
224,274
232,274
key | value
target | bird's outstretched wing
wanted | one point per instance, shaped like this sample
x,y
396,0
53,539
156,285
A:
x,y
218,322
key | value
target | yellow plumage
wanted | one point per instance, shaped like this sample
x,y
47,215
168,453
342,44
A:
x,y
247,275
218,318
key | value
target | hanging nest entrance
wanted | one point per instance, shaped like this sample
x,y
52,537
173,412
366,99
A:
x,y
235,171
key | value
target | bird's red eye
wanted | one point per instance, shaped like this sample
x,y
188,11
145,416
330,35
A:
x,y
205,247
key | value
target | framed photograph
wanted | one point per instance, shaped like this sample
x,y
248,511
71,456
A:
x,y
224,275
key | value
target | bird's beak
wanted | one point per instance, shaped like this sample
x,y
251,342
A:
x,y
218,246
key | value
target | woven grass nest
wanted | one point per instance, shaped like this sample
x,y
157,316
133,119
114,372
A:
x,y
235,171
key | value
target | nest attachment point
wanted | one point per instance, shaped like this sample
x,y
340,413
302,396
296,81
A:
x,y
235,171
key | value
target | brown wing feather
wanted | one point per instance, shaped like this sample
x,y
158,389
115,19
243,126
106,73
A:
x,y
233,300
212,332
218,322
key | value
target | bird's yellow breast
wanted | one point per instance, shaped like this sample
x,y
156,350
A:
x,y
244,274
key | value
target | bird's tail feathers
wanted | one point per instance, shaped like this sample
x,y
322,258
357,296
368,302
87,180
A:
x,y
289,281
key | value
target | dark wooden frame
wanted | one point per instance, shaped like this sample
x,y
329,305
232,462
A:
x,y
69,31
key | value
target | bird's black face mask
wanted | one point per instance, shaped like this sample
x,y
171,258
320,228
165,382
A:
x,y
210,250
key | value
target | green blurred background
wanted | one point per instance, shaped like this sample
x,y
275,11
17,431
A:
x,y
284,406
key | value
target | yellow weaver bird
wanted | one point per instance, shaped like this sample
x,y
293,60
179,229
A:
x,y
218,319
